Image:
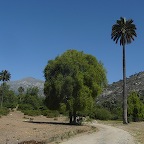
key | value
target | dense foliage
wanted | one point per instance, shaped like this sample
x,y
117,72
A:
x,y
28,102
9,99
72,82
114,107
135,107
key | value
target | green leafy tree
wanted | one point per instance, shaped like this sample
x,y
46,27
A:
x,y
10,99
30,100
72,82
20,96
4,77
33,91
20,90
124,31
135,107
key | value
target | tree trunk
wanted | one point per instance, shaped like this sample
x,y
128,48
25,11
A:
x,y
124,89
74,121
70,117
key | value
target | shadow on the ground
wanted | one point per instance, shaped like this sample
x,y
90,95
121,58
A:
x,y
54,123
31,142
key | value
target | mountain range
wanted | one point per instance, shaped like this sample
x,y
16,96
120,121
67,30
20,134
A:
x,y
26,83
114,91
111,92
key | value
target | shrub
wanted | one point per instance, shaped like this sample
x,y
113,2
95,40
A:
x,y
50,113
24,107
135,108
32,112
101,114
62,109
4,111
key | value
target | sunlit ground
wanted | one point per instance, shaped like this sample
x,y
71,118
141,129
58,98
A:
x,y
136,129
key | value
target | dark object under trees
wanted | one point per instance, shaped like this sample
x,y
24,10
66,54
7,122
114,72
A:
x,y
4,76
124,31
72,82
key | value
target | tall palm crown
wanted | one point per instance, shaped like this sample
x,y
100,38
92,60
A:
x,y
123,30
5,76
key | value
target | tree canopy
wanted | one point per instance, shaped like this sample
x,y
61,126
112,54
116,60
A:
x,y
73,80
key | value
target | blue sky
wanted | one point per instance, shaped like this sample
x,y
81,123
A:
x,y
35,31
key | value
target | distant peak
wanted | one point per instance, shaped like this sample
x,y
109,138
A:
x,y
29,78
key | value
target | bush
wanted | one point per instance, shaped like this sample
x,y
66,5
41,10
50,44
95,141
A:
x,y
117,113
10,105
101,114
24,107
62,109
135,108
50,113
32,112
4,111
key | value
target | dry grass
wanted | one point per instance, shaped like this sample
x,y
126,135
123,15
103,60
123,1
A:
x,y
136,129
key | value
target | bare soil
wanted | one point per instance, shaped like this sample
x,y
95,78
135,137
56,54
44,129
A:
x,y
16,128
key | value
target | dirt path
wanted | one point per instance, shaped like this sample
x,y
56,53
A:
x,y
105,135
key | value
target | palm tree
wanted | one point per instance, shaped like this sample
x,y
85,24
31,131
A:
x,y
4,76
124,31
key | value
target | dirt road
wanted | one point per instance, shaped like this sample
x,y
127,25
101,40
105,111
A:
x,y
105,135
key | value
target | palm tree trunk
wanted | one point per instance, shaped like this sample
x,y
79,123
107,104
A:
x,y
124,89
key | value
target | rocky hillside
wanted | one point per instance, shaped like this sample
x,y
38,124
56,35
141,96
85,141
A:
x,y
114,91
26,83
